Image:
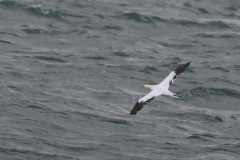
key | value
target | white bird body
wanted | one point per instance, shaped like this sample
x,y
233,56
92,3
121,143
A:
x,y
160,89
157,90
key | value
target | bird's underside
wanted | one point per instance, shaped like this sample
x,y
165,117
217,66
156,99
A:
x,y
160,89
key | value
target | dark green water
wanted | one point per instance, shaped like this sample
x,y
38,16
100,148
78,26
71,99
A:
x,y
71,70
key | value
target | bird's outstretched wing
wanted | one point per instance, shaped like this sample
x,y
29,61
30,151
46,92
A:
x,y
173,75
156,91
144,100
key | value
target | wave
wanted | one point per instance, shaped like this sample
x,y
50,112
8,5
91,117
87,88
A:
x,y
149,70
32,154
40,31
193,116
206,92
116,28
142,18
237,67
120,54
139,17
52,59
37,10
33,9
15,35
102,118
6,42
217,35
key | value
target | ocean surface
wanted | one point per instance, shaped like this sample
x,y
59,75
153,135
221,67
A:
x,y
70,72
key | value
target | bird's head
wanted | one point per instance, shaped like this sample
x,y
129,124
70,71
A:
x,y
147,86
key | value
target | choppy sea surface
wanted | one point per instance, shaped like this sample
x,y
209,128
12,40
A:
x,y
70,72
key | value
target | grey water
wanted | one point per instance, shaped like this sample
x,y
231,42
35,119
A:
x,y
70,73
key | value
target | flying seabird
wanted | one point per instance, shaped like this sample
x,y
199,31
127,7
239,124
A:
x,y
160,89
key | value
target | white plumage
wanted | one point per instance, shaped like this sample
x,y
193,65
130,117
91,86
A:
x,y
160,89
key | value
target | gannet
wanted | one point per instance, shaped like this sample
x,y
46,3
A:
x,y
160,89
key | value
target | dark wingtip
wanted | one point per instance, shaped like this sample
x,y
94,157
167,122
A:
x,y
187,64
138,106
181,68
133,113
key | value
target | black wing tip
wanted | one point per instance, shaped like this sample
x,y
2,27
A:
x,y
133,112
181,68
139,105
187,64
